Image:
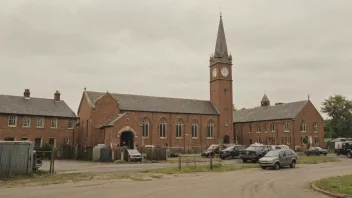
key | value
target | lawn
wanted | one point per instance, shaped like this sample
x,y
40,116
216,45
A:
x,y
190,159
316,159
202,168
342,184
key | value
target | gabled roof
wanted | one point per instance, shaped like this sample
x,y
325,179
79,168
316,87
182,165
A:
x,y
34,106
277,112
129,102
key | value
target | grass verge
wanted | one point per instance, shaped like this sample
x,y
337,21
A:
x,y
316,159
43,178
341,184
202,168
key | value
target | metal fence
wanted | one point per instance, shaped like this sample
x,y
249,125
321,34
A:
x,y
196,161
16,158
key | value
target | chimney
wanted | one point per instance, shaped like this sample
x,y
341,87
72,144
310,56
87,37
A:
x,y
27,93
57,96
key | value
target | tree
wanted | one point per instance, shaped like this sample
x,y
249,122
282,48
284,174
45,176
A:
x,y
339,109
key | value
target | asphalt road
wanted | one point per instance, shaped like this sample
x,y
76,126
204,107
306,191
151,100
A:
x,y
250,183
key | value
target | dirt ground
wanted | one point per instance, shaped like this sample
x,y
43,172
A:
x,y
250,183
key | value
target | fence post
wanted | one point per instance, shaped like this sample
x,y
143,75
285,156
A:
x,y
195,164
179,162
53,158
211,162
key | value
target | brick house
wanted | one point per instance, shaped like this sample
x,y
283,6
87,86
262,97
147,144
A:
x,y
36,119
134,120
294,124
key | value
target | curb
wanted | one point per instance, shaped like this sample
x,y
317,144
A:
x,y
335,195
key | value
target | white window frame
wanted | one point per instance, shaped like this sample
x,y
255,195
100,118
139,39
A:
x,y
286,127
303,126
68,140
194,129
54,146
42,121
315,127
179,129
210,130
272,127
288,140
162,129
257,128
51,125
68,124
9,119
145,128
26,120
264,128
315,140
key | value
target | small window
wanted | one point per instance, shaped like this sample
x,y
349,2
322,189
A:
x,y
194,129
226,123
70,124
145,128
210,129
12,120
26,121
179,128
54,123
66,140
315,127
24,139
250,128
37,142
9,139
250,141
316,140
265,128
303,126
258,128
286,129
162,128
225,91
40,122
52,142
272,127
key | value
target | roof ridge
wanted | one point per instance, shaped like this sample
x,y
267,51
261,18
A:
x,y
149,96
272,105
29,97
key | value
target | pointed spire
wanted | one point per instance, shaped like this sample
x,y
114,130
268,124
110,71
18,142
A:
x,y
265,101
221,53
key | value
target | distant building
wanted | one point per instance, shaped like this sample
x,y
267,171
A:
x,y
38,120
294,124
133,120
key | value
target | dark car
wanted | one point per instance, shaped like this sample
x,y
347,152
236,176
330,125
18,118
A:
x,y
254,152
316,151
212,150
232,152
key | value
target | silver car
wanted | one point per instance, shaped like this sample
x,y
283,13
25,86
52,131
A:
x,y
279,158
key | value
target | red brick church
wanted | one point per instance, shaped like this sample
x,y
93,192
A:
x,y
134,120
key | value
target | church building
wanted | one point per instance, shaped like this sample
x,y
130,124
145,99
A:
x,y
117,119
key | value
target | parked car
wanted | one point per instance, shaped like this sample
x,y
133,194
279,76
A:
x,y
279,158
232,152
212,150
316,151
254,152
134,155
280,147
346,149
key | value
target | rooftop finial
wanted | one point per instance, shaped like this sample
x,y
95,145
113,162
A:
x,y
308,97
85,88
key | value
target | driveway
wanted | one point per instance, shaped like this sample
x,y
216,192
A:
x,y
250,183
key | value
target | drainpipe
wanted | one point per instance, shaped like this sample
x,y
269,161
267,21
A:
x,y
293,134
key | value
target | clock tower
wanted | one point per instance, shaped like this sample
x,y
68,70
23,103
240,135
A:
x,y
221,86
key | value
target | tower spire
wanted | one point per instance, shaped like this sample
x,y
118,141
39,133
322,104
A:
x,y
221,52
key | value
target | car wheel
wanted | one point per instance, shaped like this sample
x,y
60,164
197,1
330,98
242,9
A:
x,y
277,166
349,154
325,154
293,164
244,160
263,167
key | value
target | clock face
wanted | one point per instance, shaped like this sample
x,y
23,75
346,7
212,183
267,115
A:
x,y
224,72
214,72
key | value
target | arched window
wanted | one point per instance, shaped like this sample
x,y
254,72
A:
x,y
210,129
303,126
194,129
179,128
272,127
162,128
315,127
250,128
145,128
286,129
258,128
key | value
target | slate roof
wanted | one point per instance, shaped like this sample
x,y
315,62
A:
x,y
129,102
277,112
221,46
34,106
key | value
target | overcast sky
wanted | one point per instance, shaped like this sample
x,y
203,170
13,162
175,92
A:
x,y
288,49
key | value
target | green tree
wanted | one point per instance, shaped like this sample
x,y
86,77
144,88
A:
x,y
339,110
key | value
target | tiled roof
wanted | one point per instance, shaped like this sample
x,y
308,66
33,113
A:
x,y
129,102
277,112
34,106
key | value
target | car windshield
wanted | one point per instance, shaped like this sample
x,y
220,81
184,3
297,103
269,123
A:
x,y
133,152
273,153
212,147
255,148
229,148
318,148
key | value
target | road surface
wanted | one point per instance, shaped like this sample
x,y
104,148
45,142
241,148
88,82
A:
x,y
250,183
